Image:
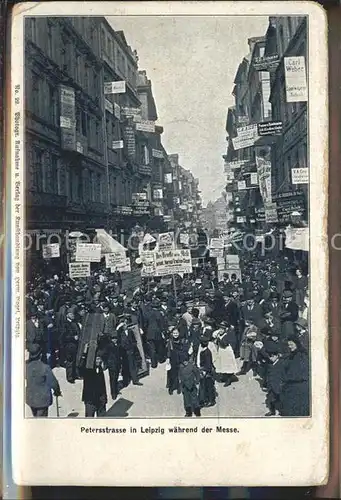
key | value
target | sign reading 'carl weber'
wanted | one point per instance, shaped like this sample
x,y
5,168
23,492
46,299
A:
x,y
270,128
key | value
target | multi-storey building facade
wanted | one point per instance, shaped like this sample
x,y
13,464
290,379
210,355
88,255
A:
x,y
95,157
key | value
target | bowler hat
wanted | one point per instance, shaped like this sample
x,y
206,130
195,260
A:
x,y
303,323
35,351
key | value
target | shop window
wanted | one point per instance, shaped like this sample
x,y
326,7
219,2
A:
x,y
36,84
38,177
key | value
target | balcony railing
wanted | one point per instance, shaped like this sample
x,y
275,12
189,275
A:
x,y
40,199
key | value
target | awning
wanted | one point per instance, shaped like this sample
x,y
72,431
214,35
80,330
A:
x,y
109,244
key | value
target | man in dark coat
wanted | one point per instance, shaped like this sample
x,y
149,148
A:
x,y
207,393
252,313
36,334
69,341
189,376
107,326
274,380
154,330
288,314
40,383
128,347
94,395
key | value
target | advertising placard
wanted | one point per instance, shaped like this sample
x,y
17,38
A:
x,y
117,111
79,270
168,178
158,194
156,153
115,258
67,117
216,252
88,252
254,179
145,126
217,243
270,128
263,162
165,241
184,238
297,238
117,144
108,106
266,63
129,139
79,147
51,251
241,185
271,213
130,112
295,79
123,266
115,87
300,175
65,122
241,219
173,262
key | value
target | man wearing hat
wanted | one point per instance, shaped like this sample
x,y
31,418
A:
x,y
207,393
302,331
35,334
195,333
40,383
128,347
94,394
251,312
189,376
288,314
70,341
154,331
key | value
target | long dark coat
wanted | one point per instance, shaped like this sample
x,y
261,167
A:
x,y
295,393
189,376
94,389
40,382
288,315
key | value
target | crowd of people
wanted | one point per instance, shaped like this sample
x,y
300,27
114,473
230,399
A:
x,y
204,331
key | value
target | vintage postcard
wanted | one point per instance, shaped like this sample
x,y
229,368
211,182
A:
x,y
169,253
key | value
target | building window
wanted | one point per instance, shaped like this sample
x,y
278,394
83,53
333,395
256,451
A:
x,y
55,175
38,170
97,134
32,26
49,39
95,80
36,84
53,104
92,186
86,77
78,67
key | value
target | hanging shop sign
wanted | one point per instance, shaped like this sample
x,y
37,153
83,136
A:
x,y
288,202
254,179
117,144
242,120
117,111
79,147
115,87
233,165
129,139
270,128
216,252
271,214
241,185
246,137
156,153
295,79
130,112
65,122
297,238
51,251
137,197
157,194
145,126
266,63
67,117
79,270
168,178
300,175
108,106
241,219
263,162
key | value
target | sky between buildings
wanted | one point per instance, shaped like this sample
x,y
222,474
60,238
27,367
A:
x,y
192,62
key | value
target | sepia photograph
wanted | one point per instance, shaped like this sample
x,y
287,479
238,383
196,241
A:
x,y
163,235
119,170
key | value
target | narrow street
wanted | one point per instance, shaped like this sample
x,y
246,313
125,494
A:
x,y
242,399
